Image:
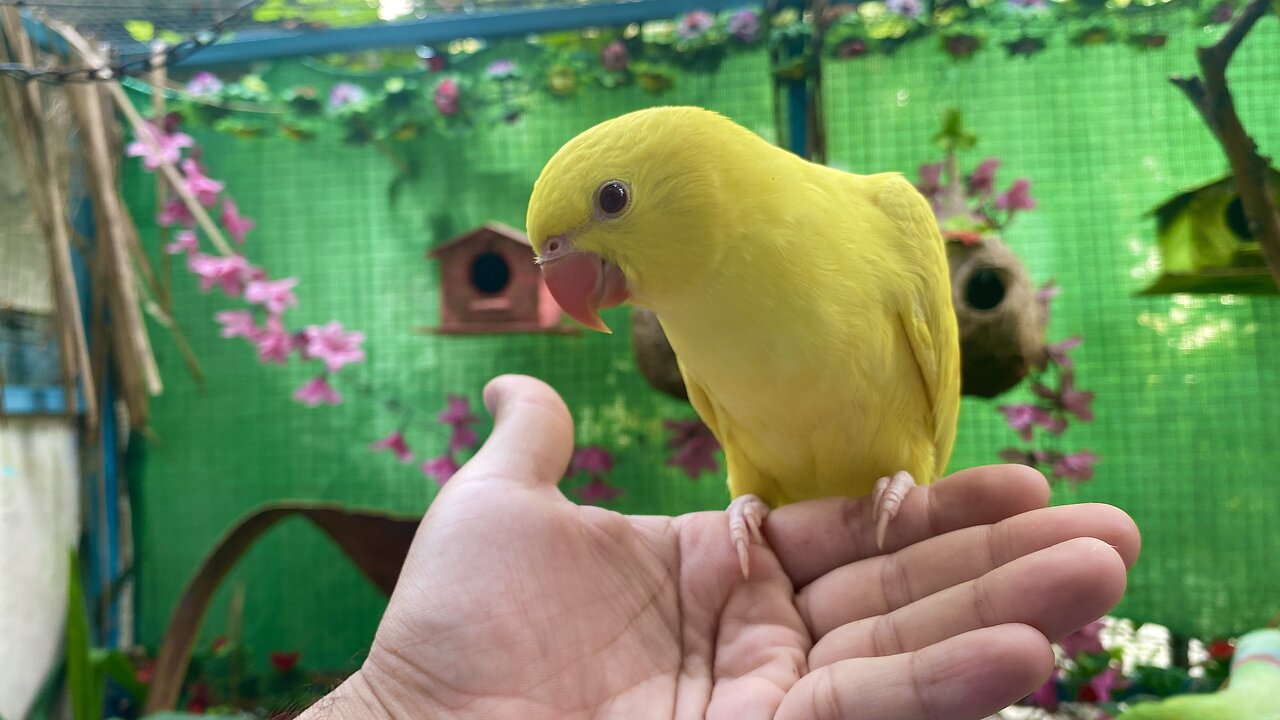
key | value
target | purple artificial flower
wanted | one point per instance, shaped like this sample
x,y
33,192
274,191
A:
x,y
229,273
274,295
501,69
440,468
613,57
593,460
1076,467
275,344
457,412
930,179
906,8
157,148
695,447
744,25
982,181
1026,4
1017,197
396,443
334,345
1046,696
344,94
597,491
1087,639
462,438
204,83
1057,352
238,323
236,224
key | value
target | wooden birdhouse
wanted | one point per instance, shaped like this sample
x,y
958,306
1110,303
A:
x,y
490,284
1205,244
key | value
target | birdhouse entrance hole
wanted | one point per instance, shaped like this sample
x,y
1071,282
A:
x,y
490,273
1236,220
985,289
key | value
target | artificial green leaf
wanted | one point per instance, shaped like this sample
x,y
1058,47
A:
x,y
141,30
86,697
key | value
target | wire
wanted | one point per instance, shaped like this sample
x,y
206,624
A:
x,y
169,55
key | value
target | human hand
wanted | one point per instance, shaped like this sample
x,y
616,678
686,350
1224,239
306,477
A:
x,y
514,602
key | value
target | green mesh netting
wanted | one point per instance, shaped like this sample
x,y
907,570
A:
x,y
1186,386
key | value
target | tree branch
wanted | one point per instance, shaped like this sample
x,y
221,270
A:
x,y
1211,97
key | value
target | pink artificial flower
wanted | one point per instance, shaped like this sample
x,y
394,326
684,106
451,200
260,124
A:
x,y
238,323
175,212
333,345
1087,639
157,148
317,391
593,460
1045,295
445,96
236,224
930,179
457,412
1021,418
275,344
1017,197
274,295
614,56
440,468
983,179
1100,687
205,188
1076,467
500,69
1076,402
1046,696
695,447
462,438
1057,352
229,273
396,443
185,242
204,83
695,24
598,491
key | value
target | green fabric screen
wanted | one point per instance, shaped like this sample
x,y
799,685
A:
x,y
1186,386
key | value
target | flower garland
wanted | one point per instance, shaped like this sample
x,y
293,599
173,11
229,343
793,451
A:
x,y
454,88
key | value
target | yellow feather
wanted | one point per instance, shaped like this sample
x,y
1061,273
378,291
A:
x,y
810,309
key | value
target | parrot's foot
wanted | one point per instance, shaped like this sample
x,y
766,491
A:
x,y
746,513
887,499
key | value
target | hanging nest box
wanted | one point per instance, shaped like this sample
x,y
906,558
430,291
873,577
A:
x,y
1002,326
1205,243
490,284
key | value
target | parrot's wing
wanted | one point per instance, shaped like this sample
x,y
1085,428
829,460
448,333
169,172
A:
x,y
925,309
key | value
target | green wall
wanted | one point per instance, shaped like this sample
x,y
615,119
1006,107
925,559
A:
x,y
1186,385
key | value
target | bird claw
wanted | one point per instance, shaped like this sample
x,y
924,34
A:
x,y
887,500
746,515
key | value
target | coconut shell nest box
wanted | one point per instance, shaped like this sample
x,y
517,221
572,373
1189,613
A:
x,y
1206,245
1002,326
490,284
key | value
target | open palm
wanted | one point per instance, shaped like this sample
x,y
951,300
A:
x,y
516,603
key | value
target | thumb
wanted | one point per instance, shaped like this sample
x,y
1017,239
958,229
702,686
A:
x,y
532,436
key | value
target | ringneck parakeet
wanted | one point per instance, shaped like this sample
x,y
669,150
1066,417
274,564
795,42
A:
x,y
809,309
1252,691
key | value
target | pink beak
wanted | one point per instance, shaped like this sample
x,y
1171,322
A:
x,y
582,283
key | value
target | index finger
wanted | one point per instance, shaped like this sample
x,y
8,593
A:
x,y
814,537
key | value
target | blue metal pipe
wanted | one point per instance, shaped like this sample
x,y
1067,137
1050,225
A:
x,y
252,46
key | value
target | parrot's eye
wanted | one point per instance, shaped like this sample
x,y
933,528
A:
x,y
613,198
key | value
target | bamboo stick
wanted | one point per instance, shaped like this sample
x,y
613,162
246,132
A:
x,y
159,77
136,352
26,116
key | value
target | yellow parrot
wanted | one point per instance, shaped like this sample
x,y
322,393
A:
x,y
809,309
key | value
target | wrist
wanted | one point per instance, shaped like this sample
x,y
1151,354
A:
x,y
355,699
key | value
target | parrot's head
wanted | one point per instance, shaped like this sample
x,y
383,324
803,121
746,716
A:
x,y
624,211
